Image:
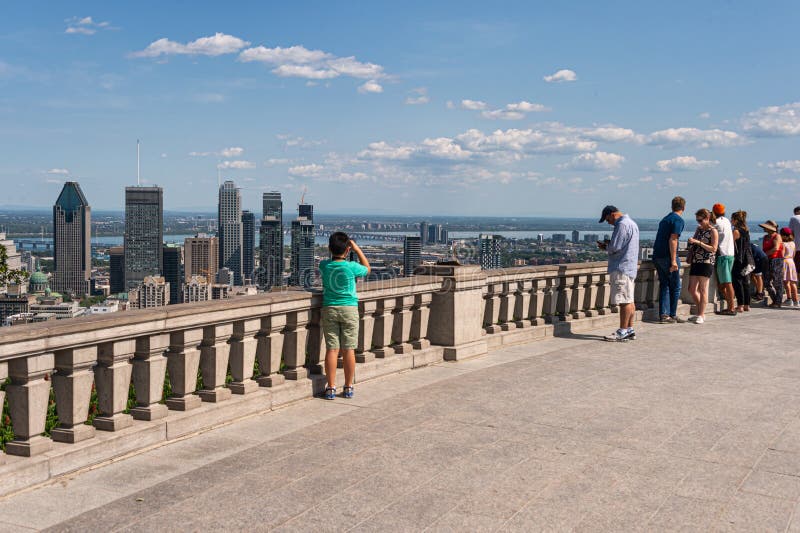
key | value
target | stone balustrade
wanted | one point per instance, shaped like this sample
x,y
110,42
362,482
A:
x,y
260,351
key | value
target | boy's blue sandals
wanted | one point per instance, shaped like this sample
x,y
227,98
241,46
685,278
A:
x,y
348,392
330,393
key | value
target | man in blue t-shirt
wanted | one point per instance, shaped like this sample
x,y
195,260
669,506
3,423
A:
x,y
668,266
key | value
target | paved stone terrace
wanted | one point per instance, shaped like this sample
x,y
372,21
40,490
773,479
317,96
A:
x,y
688,428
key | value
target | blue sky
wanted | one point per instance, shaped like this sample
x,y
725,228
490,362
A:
x,y
464,108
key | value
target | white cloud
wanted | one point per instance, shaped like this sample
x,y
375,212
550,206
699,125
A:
x,y
527,107
714,138
236,165
514,111
646,179
502,114
85,26
561,76
277,161
705,115
787,181
733,185
605,133
293,141
595,161
58,171
473,105
610,178
786,166
384,150
214,45
308,171
298,55
524,141
684,162
233,151
304,71
418,96
773,121
669,183
371,86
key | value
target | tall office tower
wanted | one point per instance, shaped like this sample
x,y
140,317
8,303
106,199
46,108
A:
x,y
152,292
230,230
489,250
144,234
248,246
173,271
72,223
201,256
435,233
302,251
270,248
412,254
423,233
576,235
443,236
116,276
306,210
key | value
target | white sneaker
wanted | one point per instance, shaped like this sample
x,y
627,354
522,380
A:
x,y
620,335
699,320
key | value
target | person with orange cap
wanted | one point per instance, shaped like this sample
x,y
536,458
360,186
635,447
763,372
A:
x,y
725,258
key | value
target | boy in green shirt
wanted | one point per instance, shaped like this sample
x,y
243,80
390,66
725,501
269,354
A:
x,y
340,309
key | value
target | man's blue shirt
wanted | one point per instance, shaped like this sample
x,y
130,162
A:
x,y
670,225
623,249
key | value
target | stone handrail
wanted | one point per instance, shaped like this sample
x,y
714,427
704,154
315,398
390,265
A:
x,y
451,312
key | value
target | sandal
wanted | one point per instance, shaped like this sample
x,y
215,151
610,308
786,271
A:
x,y
348,392
330,393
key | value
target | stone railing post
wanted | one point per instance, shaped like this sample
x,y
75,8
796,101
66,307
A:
x,y
112,378
315,347
3,377
366,316
401,325
491,313
149,369
564,297
214,354
506,317
295,341
382,333
551,296
577,308
28,397
270,350
537,309
420,321
72,384
243,356
522,303
183,361
604,298
592,293
457,311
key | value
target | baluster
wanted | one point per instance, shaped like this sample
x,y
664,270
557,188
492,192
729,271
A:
x,y
214,354
243,356
419,323
382,334
578,296
401,329
366,316
72,384
604,298
537,308
506,315
294,349
149,369
270,350
564,299
591,305
522,303
183,361
491,315
3,377
28,398
551,297
112,377
315,351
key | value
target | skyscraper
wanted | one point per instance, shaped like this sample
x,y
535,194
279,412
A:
x,y
412,251
270,247
489,250
116,276
576,235
230,230
144,234
306,210
423,232
201,256
248,246
173,271
303,249
72,223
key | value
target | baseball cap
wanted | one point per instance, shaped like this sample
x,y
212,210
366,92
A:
x,y
607,210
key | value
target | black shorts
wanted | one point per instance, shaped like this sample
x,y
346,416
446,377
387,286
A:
x,y
701,269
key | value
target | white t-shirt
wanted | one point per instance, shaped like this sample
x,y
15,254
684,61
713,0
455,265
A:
x,y
725,231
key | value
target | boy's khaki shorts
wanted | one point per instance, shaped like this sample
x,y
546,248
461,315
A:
x,y
340,326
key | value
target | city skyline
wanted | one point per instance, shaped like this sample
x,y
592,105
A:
x,y
529,110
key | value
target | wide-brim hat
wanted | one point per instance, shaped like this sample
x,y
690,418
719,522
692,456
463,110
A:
x,y
769,225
